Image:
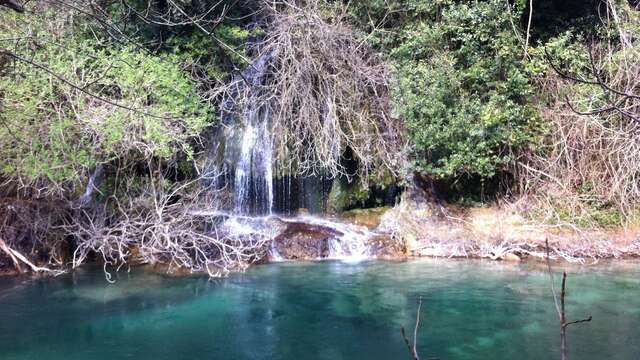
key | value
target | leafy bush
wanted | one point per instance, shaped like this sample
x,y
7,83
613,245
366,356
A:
x,y
464,90
54,132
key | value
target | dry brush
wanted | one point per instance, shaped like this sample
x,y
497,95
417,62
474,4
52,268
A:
x,y
327,91
592,154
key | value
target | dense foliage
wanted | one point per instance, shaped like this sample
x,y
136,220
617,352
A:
x,y
464,85
58,115
463,89
482,103
116,98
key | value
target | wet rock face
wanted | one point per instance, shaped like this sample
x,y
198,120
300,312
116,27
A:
x,y
302,241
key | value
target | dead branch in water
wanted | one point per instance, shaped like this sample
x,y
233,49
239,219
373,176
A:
x,y
413,347
18,258
161,225
560,307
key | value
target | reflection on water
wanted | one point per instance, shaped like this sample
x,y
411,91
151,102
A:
x,y
326,310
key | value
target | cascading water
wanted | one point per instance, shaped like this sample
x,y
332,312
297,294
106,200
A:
x,y
352,242
247,162
253,187
249,146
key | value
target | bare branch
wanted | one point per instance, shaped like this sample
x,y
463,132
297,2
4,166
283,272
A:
x,y
326,92
18,257
616,98
560,307
413,347
578,321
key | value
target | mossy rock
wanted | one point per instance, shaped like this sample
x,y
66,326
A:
x,y
369,218
345,195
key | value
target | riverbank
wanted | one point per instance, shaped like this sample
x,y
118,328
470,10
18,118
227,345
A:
x,y
500,233
419,228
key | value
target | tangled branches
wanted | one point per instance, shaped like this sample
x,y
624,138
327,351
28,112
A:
x,y
29,233
162,227
592,158
327,92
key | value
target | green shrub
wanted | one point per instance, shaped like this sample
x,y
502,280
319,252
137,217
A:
x,y
464,90
53,132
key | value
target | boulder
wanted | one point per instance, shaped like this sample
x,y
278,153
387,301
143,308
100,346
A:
x,y
302,241
384,246
510,257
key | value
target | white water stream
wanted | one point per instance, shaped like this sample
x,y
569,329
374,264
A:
x,y
249,158
347,242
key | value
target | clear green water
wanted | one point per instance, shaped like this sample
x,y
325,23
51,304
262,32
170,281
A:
x,y
327,310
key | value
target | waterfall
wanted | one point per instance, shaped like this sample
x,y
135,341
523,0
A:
x,y
249,145
351,244
253,187
242,161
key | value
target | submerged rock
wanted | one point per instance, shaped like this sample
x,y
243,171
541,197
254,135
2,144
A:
x,y
510,257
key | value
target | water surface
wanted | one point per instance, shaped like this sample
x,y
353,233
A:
x,y
324,310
